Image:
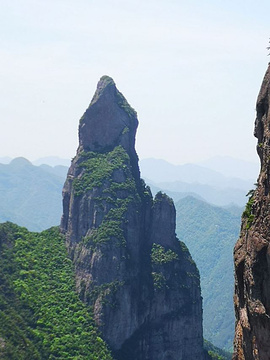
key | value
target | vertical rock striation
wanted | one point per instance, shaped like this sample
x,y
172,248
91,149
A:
x,y
140,280
252,251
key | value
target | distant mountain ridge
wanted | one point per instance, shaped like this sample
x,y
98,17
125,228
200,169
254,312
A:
x,y
211,194
232,167
219,167
209,184
47,160
197,181
31,195
162,171
52,161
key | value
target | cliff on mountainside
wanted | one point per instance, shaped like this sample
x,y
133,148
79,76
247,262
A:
x,y
140,280
252,250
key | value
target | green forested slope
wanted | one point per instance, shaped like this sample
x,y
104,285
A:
x,y
215,353
41,316
210,233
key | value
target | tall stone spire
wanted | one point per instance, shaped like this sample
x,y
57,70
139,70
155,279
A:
x,y
139,279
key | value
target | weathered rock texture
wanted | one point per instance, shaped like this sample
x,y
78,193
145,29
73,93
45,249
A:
x,y
140,280
252,251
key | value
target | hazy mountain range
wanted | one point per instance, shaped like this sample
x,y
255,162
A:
x,y
48,160
31,196
22,184
206,183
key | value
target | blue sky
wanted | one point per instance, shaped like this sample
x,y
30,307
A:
x,y
191,69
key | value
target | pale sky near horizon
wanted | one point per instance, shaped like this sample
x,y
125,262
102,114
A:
x,y
191,69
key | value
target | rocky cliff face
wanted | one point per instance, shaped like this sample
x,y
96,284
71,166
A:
x,y
140,280
252,251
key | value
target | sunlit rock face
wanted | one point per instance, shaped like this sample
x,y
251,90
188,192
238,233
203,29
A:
x,y
140,280
252,251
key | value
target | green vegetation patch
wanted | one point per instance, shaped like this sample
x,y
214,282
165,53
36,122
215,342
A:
x,y
107,79
248,212
97,171
112,224
160,196
98,167
122,102
216,353
121,206
103,291
128,185
159,280
160,256
125,131
40,289
105,232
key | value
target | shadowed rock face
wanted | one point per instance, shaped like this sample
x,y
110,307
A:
x,y
140,280
252,251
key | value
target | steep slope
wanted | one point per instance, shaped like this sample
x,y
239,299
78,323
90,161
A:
x,y
210,233
251,253
41,315
140,280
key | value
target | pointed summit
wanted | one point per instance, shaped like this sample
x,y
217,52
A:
x,y
105,83
109,120
139,280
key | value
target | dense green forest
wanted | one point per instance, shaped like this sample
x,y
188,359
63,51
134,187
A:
x,y
41,315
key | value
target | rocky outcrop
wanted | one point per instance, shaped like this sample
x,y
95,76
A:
x,y
252,251
130,267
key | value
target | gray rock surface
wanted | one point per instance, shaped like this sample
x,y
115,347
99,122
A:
x,y
141,281
252,251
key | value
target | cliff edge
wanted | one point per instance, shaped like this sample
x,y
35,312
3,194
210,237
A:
x,y
252,251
